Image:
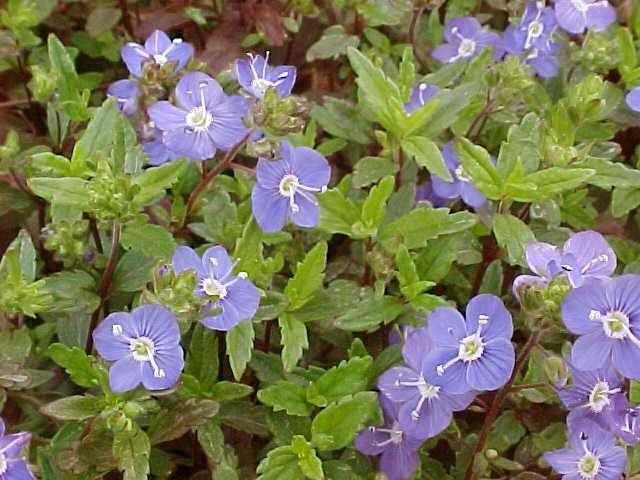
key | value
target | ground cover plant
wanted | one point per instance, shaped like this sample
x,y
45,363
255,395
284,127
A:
x,y
342,240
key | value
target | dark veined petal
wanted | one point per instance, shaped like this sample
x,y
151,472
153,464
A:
x,y
158,324
493,369
196,87
499,323
446,327
109,336
157,42
171,362
269,208
592,253
193,144
600,15
592,350
216,260
245,297
134,55
308,213
569,17
167,117
311,168
185,258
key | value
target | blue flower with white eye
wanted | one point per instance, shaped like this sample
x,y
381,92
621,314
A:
x,y
255,76
158,49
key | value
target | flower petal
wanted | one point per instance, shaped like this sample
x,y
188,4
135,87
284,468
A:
x,y
194,88
225,320
196,145
600,15
311,168
171,362
167,116
539,255
416,345
18,470
399,462
284,76
269,208
245,297
626,358
592,350
110,346
569,17
499,322
227,128
134,55
125,374
633,99
157,43
158,324
592,253
580,302
563,461
493,369
390,384
181,53
308,214
446,327
453,380
185,258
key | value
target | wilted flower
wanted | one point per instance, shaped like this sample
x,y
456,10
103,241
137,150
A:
x,y
126,93
473,353
633,99
145,346
532,39
465,38
425,405
158,49
419,96
591,393
461,186
235,296
13,465
206,119
586,254
575,16
591,455
286,188
256,76
397,449
606,315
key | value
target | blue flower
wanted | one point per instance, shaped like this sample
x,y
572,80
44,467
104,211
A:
x,y
144,346
465,38
126,93
158,50
13,465
633,99
460,186
255,76
419,96
234,295
575,16
206,119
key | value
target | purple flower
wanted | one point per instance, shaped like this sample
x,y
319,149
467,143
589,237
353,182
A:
x,y
575,16
126,93
586,254
426,406
532,39
605,313
256,76
206,119
622,420
286,188
234,295
397,449
425,193
13,465
419,96
473,353
465,38
591,394
461,185
633,99
145,346
155,148
592,454
158,49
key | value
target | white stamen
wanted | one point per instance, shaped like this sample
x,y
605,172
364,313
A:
x,y
4,464
599,397
116,330
461,175
290,186
143,350
213,287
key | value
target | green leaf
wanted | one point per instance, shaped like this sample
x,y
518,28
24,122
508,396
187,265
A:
x,y
333,43
368,314
280,464
513,234
239,347
623,200
307,278
67,190
373,208
131,449
133,272
15,346
610,174
337,213
308,461
75,407
523,144
224,391
427,155
342,119
477,164
170,424
78,365
154,240
492,279
23,246
102,20
294,340
154,181
346,378
202,361
286,396
555,180
506,431
450,104
338,424
369,170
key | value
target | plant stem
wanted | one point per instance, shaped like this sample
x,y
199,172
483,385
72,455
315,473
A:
x,y
224,164
126,19
497,404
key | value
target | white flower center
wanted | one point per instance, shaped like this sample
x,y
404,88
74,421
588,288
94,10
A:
x,y
161,58
616,325
290,186
3,464
470,348
589,466
461,175
599,396
214,288
395,435
580,5
261,85
142,349
199,119
535,28
466,48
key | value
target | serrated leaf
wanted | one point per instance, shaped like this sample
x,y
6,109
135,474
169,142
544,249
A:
x,y
513,234
239,347
346,378
78,365
154,240
373,208
477,164
131,449
286,396
427,155
202,361
308,277
294,340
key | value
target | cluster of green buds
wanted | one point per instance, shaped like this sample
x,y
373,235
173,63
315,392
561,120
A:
x,y
279,116
113,197
544,302
511,80
599,51
18,297
68,240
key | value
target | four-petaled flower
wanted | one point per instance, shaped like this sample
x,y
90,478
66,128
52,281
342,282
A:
x,y
426,406
575,16
158,49
235,296
606,315
397,449
206,119
145,346
126,93
633,99
461,186
591,394
419,96
586,254
286,188
623,420
13,465
591,455
256,76
465,39
532,39
473,353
